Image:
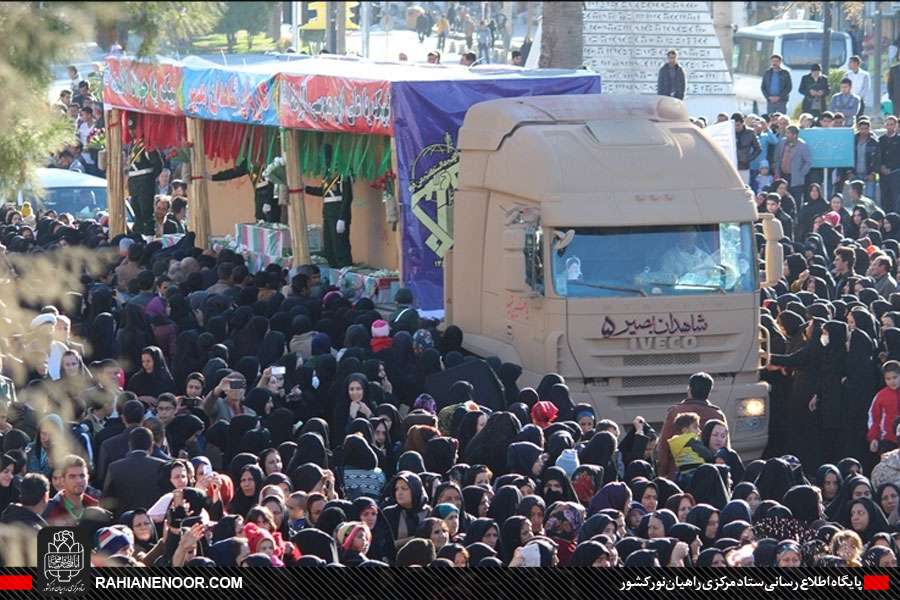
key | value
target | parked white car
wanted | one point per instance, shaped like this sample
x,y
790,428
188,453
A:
x,y
66,191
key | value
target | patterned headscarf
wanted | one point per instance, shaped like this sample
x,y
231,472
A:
x,y
422,340
565,512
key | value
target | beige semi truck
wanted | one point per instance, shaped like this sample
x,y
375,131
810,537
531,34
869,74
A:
x,y
607,239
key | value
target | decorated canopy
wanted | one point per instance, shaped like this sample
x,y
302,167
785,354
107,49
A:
x,y
421,106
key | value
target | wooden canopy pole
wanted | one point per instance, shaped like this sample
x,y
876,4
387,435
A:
x,y
399,232
115,173
198,203
296,200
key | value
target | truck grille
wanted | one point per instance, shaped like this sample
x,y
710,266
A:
x,y
654,381
652,360
654,400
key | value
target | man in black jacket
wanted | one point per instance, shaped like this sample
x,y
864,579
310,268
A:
x,y
671,79
776,86
116,447
773,207
174,222
133,482
815,90
34,494
747,146
893,87
889,147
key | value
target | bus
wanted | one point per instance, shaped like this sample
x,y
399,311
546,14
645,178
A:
x,y
800,45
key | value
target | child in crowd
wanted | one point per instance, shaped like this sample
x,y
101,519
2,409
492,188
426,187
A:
x,y
687,446
884,410
763,178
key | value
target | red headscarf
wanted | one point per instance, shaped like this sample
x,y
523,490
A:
x,y
543,413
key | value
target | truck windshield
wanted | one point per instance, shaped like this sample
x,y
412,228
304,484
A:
x,y
652,261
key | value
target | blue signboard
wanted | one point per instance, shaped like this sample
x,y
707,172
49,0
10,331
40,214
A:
x,y
830,147
222,95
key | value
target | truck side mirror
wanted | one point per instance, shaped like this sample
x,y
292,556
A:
x,y
514,258
773,233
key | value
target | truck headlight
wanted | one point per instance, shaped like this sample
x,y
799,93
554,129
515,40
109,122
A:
x,y
751,407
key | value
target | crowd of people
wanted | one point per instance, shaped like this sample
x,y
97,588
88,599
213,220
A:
x,y
186,412
84,110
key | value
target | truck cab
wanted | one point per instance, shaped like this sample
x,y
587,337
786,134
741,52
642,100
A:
x,y
607,239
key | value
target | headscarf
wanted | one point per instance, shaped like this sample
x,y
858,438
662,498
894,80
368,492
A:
x,y
600,451
225,552
775,480
128,518
10,493
316,543
543,413
612,495
877,521
587,553
472,495
707,486
563,513
559,396
241,503
845,495
181,429
804,503
558,475
504,503
699,516
157,382
521,457
707,556
735,510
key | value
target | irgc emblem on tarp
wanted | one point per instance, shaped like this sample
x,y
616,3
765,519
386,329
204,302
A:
x,y
435,184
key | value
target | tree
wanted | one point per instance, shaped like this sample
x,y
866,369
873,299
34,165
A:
x,y
253,17
164,24
853,11
34,38
38,35
562,30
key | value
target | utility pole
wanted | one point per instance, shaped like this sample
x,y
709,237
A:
x,y
330,33
364,17
295,25
826,37
876,74
341,28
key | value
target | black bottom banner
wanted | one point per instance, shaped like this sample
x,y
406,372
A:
x,y
71,579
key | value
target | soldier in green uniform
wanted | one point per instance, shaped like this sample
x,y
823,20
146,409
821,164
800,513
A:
x,y
337,196
145,168
266,206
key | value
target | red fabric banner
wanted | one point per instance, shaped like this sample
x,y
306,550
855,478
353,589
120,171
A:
x,y
158,132
222,140
326,103
142,86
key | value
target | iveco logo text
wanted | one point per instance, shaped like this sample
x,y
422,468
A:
x,y
663,343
